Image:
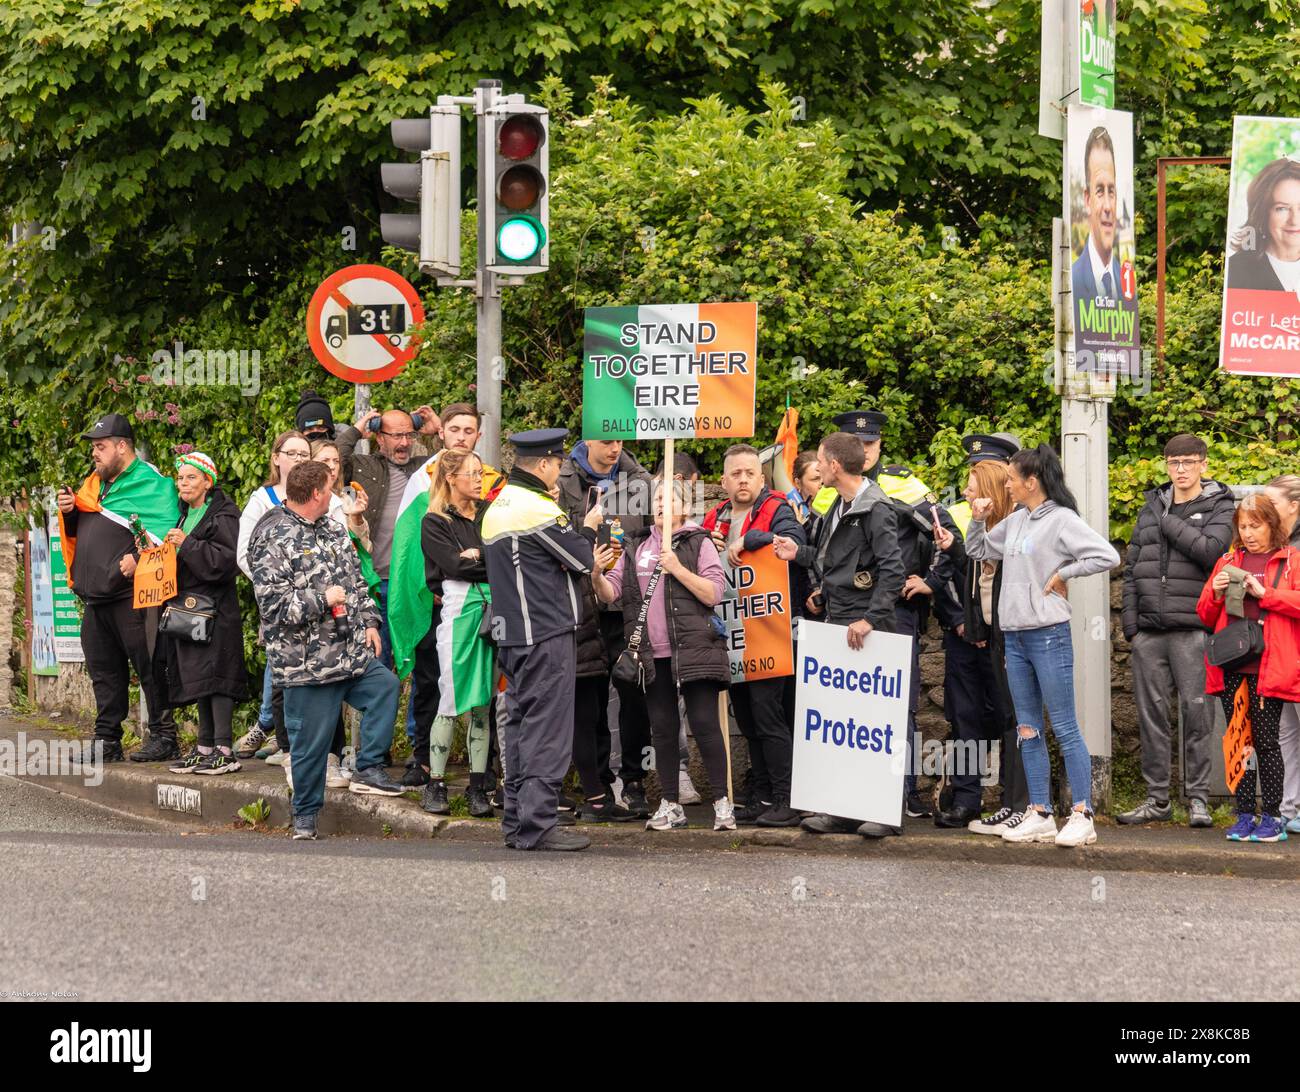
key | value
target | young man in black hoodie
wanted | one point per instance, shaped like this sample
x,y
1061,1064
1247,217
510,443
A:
x,y
1185,526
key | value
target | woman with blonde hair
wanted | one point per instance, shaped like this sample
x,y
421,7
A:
x,y
980,583
452,540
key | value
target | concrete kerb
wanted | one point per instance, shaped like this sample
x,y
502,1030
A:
x,y
151,792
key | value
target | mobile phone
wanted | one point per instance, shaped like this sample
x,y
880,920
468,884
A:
x,y
602,535
934,518
593,497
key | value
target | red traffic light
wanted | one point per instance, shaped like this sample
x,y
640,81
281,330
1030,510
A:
x,y
520,188
520,136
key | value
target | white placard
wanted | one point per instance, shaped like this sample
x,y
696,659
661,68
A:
x,y
850,724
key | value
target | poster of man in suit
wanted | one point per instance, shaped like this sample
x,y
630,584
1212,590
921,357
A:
x,y
1099,209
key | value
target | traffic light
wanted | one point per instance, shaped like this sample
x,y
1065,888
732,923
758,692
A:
x,y
434,232
513,189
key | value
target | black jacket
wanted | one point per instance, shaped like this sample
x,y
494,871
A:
x,y
859,561
443,540
1172,552
206,565
699,652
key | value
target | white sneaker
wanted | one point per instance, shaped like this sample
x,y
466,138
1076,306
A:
x,y
668,817
287,767
334,778
1078,830
724,816
1034,826
995,823
687,793
279,758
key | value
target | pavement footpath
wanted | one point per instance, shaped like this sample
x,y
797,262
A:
x,y
192,802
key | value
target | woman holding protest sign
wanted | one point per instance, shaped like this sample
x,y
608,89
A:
x,y
1042,544
200,626
675,642
1252,604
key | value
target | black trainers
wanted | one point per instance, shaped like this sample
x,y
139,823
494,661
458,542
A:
x,y
563,840
157,749
634,799
477,801
375,781
218,763
98,750
415,776
496,796
747,814
304,828
830,824
188,764
604,809
434,798
565,804
780,815
917,807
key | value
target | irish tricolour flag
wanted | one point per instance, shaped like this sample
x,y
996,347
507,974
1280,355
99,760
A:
x,y
680,370
410,602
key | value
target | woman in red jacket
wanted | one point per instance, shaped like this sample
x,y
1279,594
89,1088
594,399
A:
x,y
1272,596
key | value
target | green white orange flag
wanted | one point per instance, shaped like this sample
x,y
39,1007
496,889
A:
x,y
410,602
141,490
679,370
755,608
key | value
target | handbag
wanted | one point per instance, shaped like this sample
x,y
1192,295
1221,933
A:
x,y
1239,642
629,668
189,617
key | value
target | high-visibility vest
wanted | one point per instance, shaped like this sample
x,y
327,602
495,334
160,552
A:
x,y
901,484
961,516
821,503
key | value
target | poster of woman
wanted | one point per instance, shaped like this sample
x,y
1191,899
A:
x,y
1261,298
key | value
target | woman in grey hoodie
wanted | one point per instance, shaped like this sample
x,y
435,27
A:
x,y
1041,545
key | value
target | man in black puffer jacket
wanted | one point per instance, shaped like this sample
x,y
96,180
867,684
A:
x,y
1184,528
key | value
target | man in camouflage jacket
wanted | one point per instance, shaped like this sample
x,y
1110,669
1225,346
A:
x,y
304,567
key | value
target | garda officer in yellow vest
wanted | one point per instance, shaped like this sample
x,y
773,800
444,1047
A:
x,y
535,564
929,572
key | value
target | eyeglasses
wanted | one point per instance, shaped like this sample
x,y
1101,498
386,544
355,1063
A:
x,y
473,475
1183,464
298,456
398,435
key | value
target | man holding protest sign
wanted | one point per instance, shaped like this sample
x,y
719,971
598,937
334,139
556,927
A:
x,y
95,524
857,565
748,521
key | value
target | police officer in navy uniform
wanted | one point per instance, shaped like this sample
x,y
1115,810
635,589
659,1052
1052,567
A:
x,y
535,562
928,571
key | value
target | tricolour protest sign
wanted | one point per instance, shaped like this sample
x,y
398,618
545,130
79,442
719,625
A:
x,y
1261,295
671,370
756,610
850,724
155,576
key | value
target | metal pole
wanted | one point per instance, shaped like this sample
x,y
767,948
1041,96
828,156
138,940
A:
x,y
490,363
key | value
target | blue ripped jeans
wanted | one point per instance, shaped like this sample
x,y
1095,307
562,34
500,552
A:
x,y
1040,669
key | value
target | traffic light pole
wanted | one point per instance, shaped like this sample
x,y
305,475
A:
x,y
487,292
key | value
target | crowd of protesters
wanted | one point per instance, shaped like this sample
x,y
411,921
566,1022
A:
x,y
566,631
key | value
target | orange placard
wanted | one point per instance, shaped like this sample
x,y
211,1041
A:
x,y
155,576
756,610
1238,743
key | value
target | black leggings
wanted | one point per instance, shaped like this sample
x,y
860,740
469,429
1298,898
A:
x,y
701,714
1265,719
590,693
215,713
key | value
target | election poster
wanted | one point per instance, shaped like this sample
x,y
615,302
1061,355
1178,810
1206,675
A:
x,y
669,371
1096,52
67,615
850,724
1261,294
755,608
44,661
1099,208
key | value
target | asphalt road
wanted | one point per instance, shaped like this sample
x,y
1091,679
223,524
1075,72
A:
x,y
111,908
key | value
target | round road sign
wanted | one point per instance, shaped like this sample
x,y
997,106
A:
x,y
359,323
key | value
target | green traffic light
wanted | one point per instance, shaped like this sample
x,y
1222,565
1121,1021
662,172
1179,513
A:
x,y
520,238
